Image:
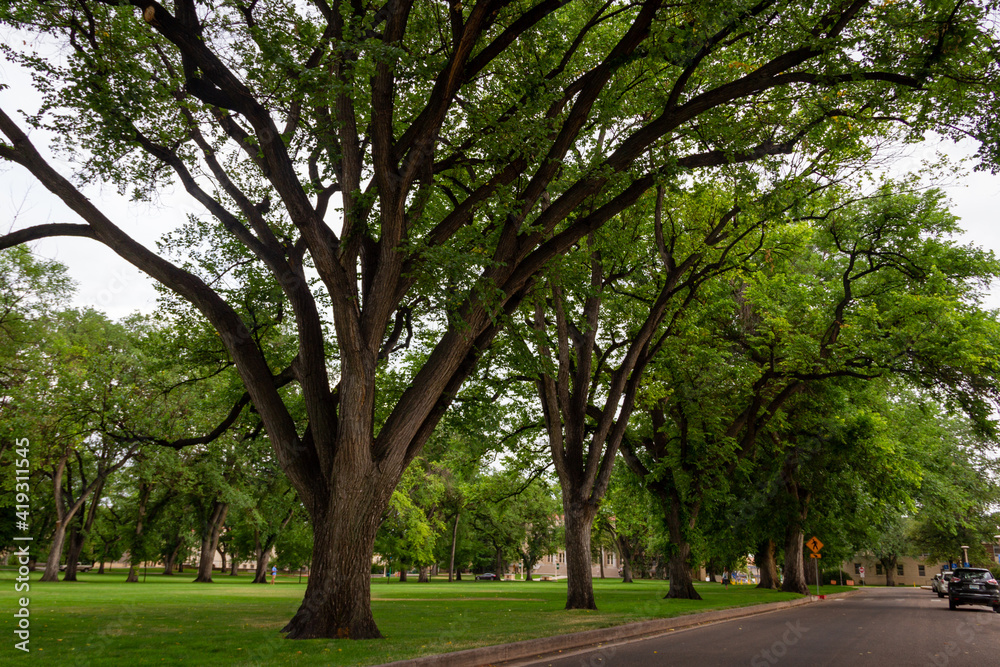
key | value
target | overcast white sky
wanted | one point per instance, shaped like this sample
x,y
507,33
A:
x,y
108,283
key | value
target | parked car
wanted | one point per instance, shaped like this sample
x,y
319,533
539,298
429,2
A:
x,y
973,585
489,576
942,584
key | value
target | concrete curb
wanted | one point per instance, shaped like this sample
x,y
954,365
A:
x,y
490,655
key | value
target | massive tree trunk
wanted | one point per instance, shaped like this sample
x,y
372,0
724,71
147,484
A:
x,y
579,518
424,577
794,580
767,565
210,540
681,584
337,601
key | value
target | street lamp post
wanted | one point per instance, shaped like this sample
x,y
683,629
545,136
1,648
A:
x,y
965,556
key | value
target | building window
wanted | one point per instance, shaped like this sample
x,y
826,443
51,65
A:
x,y
920,571
899,569
878,568
857,569
609,558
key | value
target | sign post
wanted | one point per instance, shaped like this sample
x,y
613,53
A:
x,y
815,545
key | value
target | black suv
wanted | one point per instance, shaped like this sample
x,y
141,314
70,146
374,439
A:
x,y
973,585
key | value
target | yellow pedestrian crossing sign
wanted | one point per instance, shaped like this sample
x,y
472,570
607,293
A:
x,y
814,544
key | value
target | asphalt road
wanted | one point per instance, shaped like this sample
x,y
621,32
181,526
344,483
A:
x,y
878,626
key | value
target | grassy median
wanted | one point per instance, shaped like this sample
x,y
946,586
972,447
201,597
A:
x,y
101,620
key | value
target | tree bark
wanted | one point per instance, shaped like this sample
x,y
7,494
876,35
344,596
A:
x,y
63,517
602,562
234,567
77,537
889,564
260,573
55,553
578,518
767,565
625,557
794,571
168,566
402,574
679,567
337,601
263,553
425,575
210,541
681,583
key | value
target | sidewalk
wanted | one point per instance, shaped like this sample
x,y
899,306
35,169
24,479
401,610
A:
x,y
536,648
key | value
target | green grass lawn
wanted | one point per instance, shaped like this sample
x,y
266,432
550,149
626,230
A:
x,y
101,620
